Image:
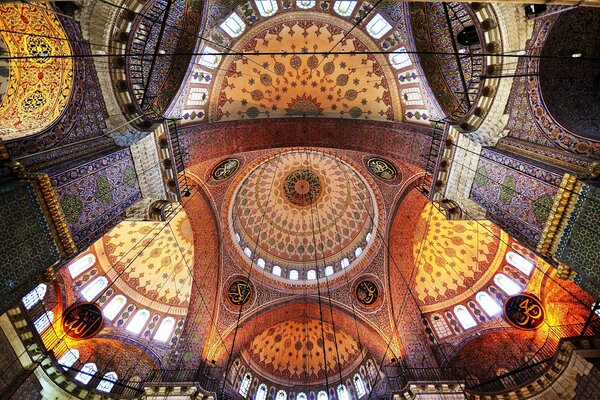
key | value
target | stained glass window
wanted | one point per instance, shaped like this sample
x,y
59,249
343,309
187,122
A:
x,y
138,322
378,27
344,8
305,4
233,25
488,304
400,59
36,295
107,382
86,373
519,262
208,58
281,395
464,317
245,385
43,321
342,393
68,359
322,395
266,8
93,289
360,386
509,286
81,265
163,333
261,393
440,326
113,307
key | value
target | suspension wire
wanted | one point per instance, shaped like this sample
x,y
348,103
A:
x,y
327,285
229,358
312,225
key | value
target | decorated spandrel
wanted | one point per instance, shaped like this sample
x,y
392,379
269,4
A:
x,y
367,293
225,169
82,320
382,168
524,311
239,293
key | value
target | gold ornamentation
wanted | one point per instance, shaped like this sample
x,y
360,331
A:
x,y
524,311
382,168
239,293
82,321
225,169
302,187
367,293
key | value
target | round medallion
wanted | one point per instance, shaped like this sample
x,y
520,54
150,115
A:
x,y
382,168
239,292
302,187
367,293
82,320
225,169
524,311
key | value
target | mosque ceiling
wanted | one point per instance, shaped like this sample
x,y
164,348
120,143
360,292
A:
x,y
352,85
150,261
38,89
299,351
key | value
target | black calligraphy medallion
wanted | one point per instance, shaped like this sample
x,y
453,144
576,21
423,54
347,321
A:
x,y
367,293
225,169
524,311
239,292
382,168
82,320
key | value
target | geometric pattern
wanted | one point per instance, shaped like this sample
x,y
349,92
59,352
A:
x,y
147,258
39,88
287,233
452,257
338,86
294,350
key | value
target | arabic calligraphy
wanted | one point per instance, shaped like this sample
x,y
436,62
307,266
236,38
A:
x,y
524,311
239,293
367,293
382,168
225,169
82,320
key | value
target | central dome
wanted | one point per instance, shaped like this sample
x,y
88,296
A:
x,y
302,215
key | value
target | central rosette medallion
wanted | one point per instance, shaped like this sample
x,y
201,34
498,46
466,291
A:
x,y
301,214
302,187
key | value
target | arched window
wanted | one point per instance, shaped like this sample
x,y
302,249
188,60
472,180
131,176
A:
x,y
322,395
488,304
519,262
294,275
113,307
36,295
261,393
368,238
233,25
345,262
344,8
311,274
68,359
138,322
400,59
86,373
208,58
305,4
93,289
301,396
359,385
81,265
43,321
248,252
378,26
464,317
371,370
281,395
266,8
163,333
107,382
276,270
509,286
237,237
329,271
342,393
358,251
261,263
245,384
440,326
